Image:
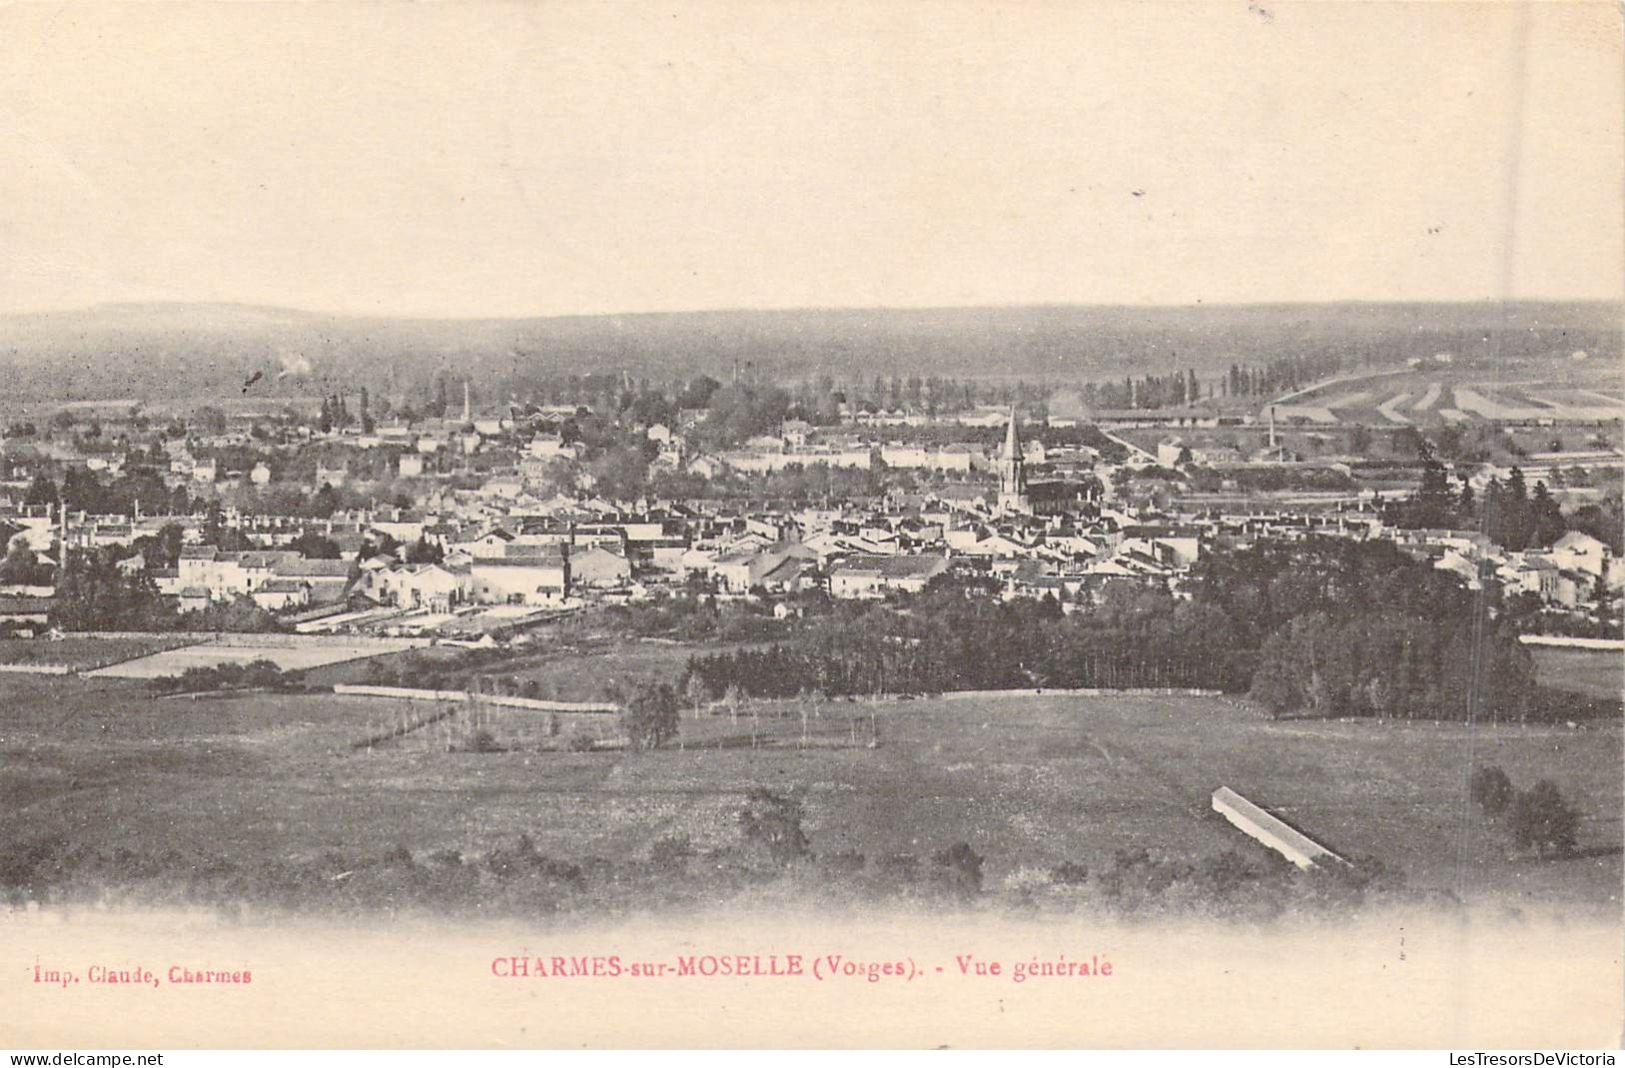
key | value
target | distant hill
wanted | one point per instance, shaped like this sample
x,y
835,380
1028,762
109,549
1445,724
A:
x,y
157,351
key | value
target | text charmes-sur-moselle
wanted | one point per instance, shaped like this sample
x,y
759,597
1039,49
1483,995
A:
x,y
795,965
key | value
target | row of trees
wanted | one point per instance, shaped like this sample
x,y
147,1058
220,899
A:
x,y
1326,627
1391,666
1509,513
1172,390
1178,388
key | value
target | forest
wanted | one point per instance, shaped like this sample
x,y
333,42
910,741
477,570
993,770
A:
x,y
1323,627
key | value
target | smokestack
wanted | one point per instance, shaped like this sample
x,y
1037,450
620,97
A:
x,y
468,413
1272,426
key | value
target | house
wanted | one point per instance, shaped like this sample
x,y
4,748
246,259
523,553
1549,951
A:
x,y
167,579
1457,563
281,594
550,447
410,465
870,577
24,611
706,467
523,574
326,580
789,576
1168,452
735,571
740,572
223,576
404,527
1170,546
598,566
435,587
492,542
1579,551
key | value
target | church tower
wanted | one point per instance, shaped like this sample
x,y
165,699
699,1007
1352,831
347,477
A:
x,y
1012,475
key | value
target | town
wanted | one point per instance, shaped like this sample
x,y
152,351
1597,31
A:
x,y
482,522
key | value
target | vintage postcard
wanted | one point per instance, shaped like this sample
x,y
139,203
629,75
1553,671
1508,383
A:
x,y
811,524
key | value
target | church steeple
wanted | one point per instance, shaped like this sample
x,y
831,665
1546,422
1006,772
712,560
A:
x,y
1012,439
1012,473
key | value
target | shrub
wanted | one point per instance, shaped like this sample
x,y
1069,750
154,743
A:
x,y
959,870
1069,873
1222,875
846,862
773,822
650,718
1136,876
672,851
897,871
1491,790
483,741
1541,819
582,742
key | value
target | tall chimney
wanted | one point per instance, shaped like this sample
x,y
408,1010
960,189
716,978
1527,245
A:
x,y
468,414
1272,426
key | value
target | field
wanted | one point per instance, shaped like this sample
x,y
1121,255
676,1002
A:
x,y
564,670
1435,394
81,652
1026,781
1593,672
286,654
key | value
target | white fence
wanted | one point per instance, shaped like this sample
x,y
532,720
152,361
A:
x,y
1271,830
1558,641
403,693
1088,691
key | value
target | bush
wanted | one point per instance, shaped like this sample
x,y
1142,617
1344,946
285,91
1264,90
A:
x,y
483,741
773,823
672,851
582,742
1069,873
650,718
1491,790
959,870
1541,819
258,674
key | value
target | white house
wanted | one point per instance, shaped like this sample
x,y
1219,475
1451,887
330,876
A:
x,y
868,577
436,587
1578,551
522,575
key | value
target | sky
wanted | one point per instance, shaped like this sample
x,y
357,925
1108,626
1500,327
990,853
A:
x,y
471,159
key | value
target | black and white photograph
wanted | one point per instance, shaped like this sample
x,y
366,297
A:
x,y
812,524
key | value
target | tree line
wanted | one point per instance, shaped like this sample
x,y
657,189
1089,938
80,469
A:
x,y
1323,627
1509,513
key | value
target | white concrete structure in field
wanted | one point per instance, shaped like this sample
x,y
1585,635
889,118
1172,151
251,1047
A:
x,y
1263,827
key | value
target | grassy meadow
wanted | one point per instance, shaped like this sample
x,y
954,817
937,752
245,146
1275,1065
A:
x,y
1028,782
